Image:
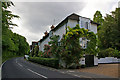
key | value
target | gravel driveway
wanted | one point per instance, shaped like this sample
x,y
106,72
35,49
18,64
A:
x,y
104,69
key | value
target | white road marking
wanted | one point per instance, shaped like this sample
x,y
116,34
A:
x,y
16,60
20,64
1,69
71,71
82,76
63,72
2,64
79,75
76,75
37,73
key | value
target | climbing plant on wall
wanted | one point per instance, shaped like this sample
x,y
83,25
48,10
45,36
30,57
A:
x,y
70,50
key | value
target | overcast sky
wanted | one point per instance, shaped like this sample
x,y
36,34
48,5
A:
x,y
37,17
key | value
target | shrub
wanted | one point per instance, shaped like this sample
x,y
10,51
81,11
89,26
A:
x,y
52,62
83,66
47,51
41,54
116,53
109,52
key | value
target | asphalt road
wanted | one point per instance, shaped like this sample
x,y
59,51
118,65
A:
x,y
20,68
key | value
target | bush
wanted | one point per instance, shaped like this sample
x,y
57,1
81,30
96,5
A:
x,y
117,53
109,52
41,54
52,62
83,66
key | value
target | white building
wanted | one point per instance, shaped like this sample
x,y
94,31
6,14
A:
x,y
71,21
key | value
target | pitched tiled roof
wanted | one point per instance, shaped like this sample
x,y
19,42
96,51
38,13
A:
x,y
44,37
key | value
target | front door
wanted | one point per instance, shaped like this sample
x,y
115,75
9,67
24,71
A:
x,y
89,60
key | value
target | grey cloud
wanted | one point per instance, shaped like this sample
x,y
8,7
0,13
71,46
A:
x,y
38,15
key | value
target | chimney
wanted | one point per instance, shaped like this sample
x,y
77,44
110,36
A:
x,y
46,33
52,27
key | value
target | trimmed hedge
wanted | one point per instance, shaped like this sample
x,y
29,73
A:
x,y
52,62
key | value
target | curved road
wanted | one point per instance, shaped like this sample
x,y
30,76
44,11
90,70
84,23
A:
x,y
20,68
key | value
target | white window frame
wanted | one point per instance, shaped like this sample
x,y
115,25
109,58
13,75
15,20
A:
x,y
82,24
83,42
86,25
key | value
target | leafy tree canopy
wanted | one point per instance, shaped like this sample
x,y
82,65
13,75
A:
x,y
98,18
12,43
110,31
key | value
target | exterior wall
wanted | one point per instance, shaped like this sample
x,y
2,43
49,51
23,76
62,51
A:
x,y
60,31
41,48
72,23
95,60
82,61
108,60
83,21
39,45
93,28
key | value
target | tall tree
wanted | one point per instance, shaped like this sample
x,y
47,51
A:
x,y
7,15
110,31
23,45
12,43
98,18
7,34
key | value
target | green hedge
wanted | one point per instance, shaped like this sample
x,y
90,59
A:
x,y
109,52
52,62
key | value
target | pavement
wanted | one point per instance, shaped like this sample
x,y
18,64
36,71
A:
x,y
19,68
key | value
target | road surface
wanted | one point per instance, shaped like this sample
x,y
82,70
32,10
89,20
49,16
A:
x,y
20,68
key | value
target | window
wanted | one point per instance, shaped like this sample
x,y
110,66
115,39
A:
x,y
50,34
86,25
38,43
80,41
59,43
59,38
83,42
82,24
